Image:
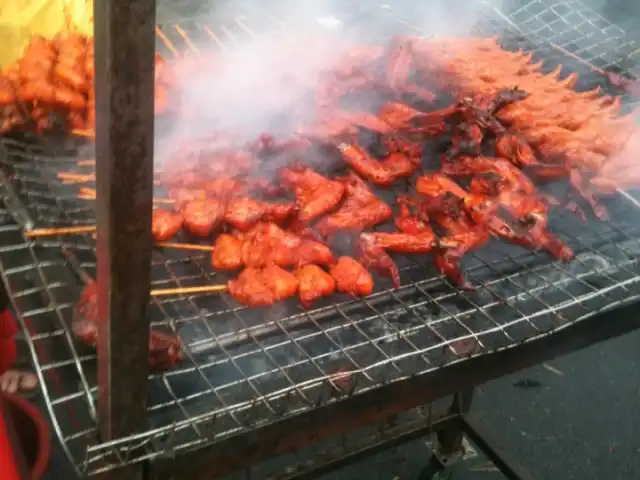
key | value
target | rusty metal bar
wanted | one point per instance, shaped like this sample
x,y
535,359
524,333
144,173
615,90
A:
x,y
124,62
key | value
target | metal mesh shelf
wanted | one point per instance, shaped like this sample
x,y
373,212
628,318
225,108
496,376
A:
x,y
245,367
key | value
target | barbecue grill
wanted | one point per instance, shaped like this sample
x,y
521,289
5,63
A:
x,y
257,384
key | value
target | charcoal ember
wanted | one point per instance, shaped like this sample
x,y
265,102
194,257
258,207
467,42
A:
x,y
164,349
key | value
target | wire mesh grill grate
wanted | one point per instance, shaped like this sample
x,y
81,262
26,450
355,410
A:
x,y
245,367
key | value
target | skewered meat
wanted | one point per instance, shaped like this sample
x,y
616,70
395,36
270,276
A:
x,y
201,217
351,277
165,224
268,244
381,172
261,287
313,284
227,252
316,195
164,349
361,209
243,213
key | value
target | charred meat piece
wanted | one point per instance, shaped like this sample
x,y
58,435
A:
x,y
511,178
261,287
313,284
268,244
374,257
164,349
165,224
243,213
360,210
315,194
201,217
395,166
227,252
462,235
351,277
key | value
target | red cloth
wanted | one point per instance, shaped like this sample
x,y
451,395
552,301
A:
x,y
8,349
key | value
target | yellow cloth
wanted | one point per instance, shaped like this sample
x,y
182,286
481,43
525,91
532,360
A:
x,y
21,19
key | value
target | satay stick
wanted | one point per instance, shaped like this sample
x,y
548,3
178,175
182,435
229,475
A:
x,y
78,132
86,163
215,38
186,39
157,201
246,28
52,232
167,42
69,177
186,246
164,292
228,33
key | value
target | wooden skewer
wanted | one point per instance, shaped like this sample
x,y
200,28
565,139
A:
x,y
157,201
215,38
86,163
228,33
52,232
167,42
186,39
163,292
244,26
83,133
186,246
69,177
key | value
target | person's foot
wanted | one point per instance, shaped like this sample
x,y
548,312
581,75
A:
x,y
17,381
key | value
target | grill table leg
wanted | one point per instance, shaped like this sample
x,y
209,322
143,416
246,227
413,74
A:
x,y
450,439
506,466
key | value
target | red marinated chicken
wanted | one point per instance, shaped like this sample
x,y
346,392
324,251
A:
x,y
313,284
165,224
393,167
243,213
227,252
202,217
351,277
261,287
361,209
268,244
316,195
164,350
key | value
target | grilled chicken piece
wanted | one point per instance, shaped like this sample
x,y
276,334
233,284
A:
x,y
316,195
164,349
361,209
462,234
512,178
201,217
165,224
261,287
393,167
313,284
351,277
243,213
268,244
227,252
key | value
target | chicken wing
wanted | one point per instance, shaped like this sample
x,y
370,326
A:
x,y
361,209
316,195
393,167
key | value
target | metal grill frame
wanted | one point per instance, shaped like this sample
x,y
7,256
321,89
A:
x,y
235,452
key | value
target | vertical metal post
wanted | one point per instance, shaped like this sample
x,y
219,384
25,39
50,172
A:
x,y
124,63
